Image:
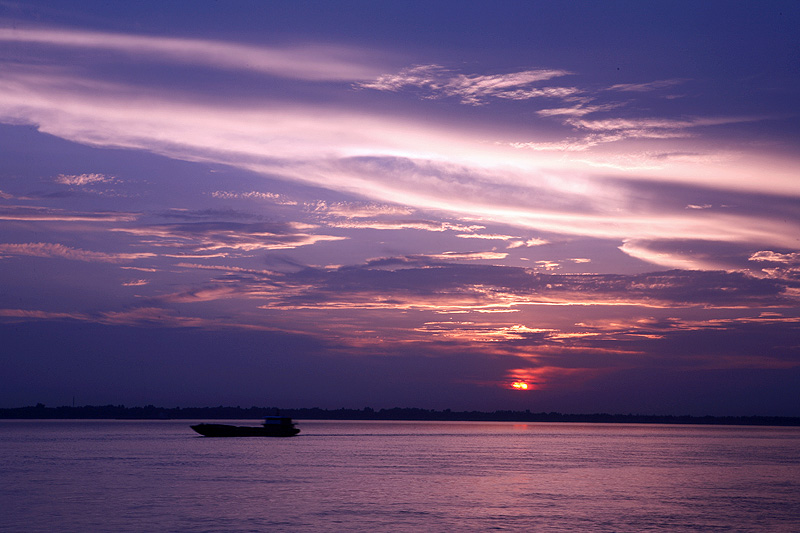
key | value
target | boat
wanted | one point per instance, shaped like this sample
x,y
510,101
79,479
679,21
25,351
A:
x,y
273,426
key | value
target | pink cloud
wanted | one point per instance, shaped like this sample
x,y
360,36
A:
x,y
83,179
55,250
648,86
440,82
775,257
310,62
407,161
43,214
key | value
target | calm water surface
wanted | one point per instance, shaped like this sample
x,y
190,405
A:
x,y
398,476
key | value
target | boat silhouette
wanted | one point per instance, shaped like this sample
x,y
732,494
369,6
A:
x,y
273,426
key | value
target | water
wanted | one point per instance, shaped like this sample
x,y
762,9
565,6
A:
x,y
398,476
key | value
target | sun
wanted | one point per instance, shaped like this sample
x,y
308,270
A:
x,y
519,385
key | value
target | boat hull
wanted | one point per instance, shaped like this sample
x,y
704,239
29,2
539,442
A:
x,y
225,430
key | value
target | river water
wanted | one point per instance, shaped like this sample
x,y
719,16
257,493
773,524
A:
x,y
131,476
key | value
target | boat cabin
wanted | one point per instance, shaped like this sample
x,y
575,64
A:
x,y
277,421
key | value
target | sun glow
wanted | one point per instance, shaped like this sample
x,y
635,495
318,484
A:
x,y
519,385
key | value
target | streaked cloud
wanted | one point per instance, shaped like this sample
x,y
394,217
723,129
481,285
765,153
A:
x,y
486,236
154,317
423,225
35,314
483,331
254,195
140,269
310,62
222,235
410,163
544,92
227,268
44,214
360,210
647,86
779,265
468,256
83,179
437,81
428,211
527,243
614,130
656,125
577,110
776,257
427,282
55,250
135,283
570,144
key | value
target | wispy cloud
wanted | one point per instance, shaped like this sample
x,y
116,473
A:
x,y
360,210
36,213
527,243
708,255
227,268
544,92
463,175
784,266
254,195
311,62
776,257
648,86
83,179
577,110
613,130
617,130
466,256
484,331
403,161
571,144
203,237
438,283
422,225
137,316
37,314
487,236
656,124
55,250
439,82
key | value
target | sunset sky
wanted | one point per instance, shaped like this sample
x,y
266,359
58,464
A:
x,y
413,204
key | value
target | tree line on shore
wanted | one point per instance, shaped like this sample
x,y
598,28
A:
x,y
151,412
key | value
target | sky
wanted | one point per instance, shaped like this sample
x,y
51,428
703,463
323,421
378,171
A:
x,y
556,206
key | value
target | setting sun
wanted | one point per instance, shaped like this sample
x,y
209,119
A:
x,y
519,385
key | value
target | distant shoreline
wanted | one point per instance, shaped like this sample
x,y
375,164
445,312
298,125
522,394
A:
x,y
151,412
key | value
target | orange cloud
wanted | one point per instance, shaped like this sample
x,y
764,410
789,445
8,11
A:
x,y
548,377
